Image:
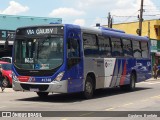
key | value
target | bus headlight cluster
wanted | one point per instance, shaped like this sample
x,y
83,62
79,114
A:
x,y
14,77
59,76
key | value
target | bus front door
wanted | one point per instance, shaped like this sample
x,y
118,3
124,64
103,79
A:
x,y
74,62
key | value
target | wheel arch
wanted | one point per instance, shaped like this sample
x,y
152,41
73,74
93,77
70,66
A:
x,y
92,75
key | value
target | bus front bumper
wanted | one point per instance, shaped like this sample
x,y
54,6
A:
x,y
59,87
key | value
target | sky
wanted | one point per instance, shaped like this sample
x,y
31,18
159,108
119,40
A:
x,y
83,12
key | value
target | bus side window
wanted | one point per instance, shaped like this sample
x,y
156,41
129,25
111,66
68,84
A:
x,y
73,48
144,48
104,46
127,48
136,49
116,47
90,45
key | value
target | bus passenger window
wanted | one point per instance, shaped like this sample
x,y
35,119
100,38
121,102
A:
x,y
127,48
104,46
144,47
73,48
90,45
116,47
136,49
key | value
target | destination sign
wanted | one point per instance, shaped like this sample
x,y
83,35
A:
x,y
40,31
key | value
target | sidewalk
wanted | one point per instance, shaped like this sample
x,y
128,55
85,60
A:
x,y
152,79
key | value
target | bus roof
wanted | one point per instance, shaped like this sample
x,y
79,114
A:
x,y
124,35
116,33
104,31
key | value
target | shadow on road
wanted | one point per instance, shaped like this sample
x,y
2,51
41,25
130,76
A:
x,y
75,97
116,91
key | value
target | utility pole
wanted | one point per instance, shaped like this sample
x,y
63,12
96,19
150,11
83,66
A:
x,y
140,19
109,20
111,24
149,31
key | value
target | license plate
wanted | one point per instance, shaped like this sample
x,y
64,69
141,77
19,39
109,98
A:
x,y
34,89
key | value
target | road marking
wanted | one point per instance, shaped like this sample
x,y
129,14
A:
x,y
145,100
110,108
3,106
158,96
64,119
127,104
86,114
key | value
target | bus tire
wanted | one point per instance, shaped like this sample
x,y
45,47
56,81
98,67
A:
x,y
5,82
89,88
131,86
42,94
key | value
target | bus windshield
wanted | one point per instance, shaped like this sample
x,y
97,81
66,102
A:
x,y
39,52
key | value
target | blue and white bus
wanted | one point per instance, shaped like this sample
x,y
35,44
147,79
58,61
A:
x,y
65,58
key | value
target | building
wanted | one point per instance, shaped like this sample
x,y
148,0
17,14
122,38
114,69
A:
x,y
150,28
8,25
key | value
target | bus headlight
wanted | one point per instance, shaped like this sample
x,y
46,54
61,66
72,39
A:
x,y
14,77
59,76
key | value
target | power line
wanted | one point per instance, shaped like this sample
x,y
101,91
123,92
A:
x,y
123,16
152,15
127,17
135,16
151,6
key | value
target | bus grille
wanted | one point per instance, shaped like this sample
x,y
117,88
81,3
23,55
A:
x,y
29,86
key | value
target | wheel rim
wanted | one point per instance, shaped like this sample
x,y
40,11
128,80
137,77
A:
x,y
132,81
5,83
88,88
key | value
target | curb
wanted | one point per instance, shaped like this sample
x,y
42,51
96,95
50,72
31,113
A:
x,y
152,79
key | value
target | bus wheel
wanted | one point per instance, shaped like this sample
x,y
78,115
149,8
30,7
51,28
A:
x,y
42,94
132,85
5,82
88,90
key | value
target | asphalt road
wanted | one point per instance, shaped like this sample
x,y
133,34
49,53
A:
x,y
146,97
